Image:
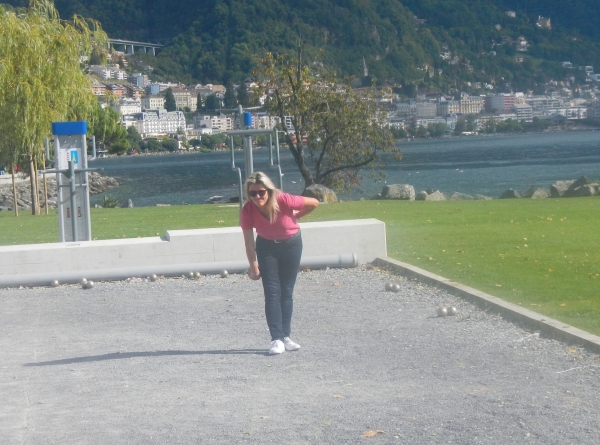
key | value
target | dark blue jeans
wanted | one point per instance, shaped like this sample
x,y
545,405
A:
x,y
278,263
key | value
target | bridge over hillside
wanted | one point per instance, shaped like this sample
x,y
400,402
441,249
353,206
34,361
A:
x,y
129,46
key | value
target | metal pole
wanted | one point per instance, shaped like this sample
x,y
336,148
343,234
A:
x,y
59,193
73,202
278,160
250,164
86,191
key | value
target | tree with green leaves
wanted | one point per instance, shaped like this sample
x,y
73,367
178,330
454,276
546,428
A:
x,y
170,103
212,103
336,132
41,81
134,138
110,134
229,100
242,95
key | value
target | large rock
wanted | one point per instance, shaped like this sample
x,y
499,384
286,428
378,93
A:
x,y
576,189
536,193
559,188
398,191
584,190
457,196
320,192
434,195
510,194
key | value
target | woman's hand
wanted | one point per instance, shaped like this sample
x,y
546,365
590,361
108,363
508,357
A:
x,y
254,274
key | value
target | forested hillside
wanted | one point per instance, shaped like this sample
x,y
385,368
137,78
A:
x,y
401,41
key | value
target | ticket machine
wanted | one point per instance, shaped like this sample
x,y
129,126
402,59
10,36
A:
x,y
70,166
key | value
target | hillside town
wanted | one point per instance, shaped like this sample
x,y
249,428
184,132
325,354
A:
x,y
141,104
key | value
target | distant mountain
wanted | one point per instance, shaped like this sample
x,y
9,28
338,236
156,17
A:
x,y
435,43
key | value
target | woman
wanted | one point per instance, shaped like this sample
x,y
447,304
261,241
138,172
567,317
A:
x,y
276,254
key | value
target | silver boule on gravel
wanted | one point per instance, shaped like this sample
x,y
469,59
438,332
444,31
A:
x,y
451,310
190,275
395,287
89,285
224,274
442,311
83,281
153,277
197,275
388,286
54,283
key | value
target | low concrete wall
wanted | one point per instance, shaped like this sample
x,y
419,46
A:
x,y
365,238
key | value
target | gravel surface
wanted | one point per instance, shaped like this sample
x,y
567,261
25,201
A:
x,y
182,361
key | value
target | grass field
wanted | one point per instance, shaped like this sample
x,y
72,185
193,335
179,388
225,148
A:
x,y
541,254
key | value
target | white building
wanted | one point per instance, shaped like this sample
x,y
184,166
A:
x,y
108,72
524,112
264,120
218,124
127,106
155,122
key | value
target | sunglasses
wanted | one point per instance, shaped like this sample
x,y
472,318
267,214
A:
x,y
255,193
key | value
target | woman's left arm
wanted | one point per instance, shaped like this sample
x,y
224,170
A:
x,y
309,205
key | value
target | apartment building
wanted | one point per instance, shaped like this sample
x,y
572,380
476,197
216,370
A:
x,y
448,107
98,88
127,106
471,104
499,102
218,124
108,72
153,102
524,112
156,122
185,98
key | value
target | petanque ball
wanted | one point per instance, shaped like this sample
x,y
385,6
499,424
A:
x,y
451,310
388,286
395,287
190,275
54,283
224,274
153,277
197,275
82,282
442,311
89,285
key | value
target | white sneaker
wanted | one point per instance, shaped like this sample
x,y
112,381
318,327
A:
x,y
277,347
290,345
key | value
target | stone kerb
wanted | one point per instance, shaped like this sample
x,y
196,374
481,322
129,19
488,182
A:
x,y
365,238
533,319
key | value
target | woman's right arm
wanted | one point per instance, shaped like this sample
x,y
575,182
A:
x,y
253,272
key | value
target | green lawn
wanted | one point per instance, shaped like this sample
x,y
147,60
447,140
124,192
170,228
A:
x,y
541,254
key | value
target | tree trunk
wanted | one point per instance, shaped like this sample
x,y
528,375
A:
x,y
35,207
15,205
298,154
45,192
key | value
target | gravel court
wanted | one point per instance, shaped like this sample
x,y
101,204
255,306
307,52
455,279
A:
x,y
183,361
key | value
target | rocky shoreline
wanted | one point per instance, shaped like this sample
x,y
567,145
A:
x,y
97,184
559,189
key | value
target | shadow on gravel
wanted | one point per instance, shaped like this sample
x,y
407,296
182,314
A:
x,y
123,355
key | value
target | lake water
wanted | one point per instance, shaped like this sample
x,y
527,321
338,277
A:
x,y
483,165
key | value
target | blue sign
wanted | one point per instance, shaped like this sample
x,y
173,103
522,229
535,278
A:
x,y
62,128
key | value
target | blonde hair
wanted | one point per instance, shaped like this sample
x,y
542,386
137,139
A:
x,y
260,178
